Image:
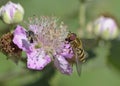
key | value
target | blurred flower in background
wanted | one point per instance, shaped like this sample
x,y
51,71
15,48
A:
x,y
106,28
12,13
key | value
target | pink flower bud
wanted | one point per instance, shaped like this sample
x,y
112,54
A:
x,y
106,28
12,13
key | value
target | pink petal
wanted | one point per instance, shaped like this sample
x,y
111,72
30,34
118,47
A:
x,y
37,60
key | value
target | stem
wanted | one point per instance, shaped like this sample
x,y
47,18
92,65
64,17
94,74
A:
x,y
12,26
82,15
83,1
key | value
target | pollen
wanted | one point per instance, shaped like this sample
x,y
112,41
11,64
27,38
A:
x,y
49,32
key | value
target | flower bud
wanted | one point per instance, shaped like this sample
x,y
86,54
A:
x,y
106,28
11,13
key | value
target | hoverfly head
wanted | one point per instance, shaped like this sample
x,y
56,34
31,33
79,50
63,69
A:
x,y
71,37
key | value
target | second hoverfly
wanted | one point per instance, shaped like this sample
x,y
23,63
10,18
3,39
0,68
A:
x,y
79,54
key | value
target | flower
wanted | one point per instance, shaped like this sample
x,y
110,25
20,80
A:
x,y
43,42
106,28
12,13
49,35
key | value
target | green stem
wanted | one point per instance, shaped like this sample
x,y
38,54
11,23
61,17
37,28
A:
x,y
12,27
82,15
83,1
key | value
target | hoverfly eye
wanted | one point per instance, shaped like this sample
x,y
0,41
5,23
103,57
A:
x,y
73,37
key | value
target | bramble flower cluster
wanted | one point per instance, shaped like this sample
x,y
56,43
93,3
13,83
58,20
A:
x,y
43,40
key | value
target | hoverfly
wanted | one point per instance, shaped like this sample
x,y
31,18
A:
x,y
78,50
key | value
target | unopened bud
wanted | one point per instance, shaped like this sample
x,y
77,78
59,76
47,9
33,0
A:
x,y
106,28
12,13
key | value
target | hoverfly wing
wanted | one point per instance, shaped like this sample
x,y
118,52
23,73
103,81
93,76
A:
x,y
78,63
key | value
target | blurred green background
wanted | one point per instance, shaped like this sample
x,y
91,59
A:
x,y
103,67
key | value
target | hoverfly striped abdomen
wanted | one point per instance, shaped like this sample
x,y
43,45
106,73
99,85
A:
x,y
81,54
